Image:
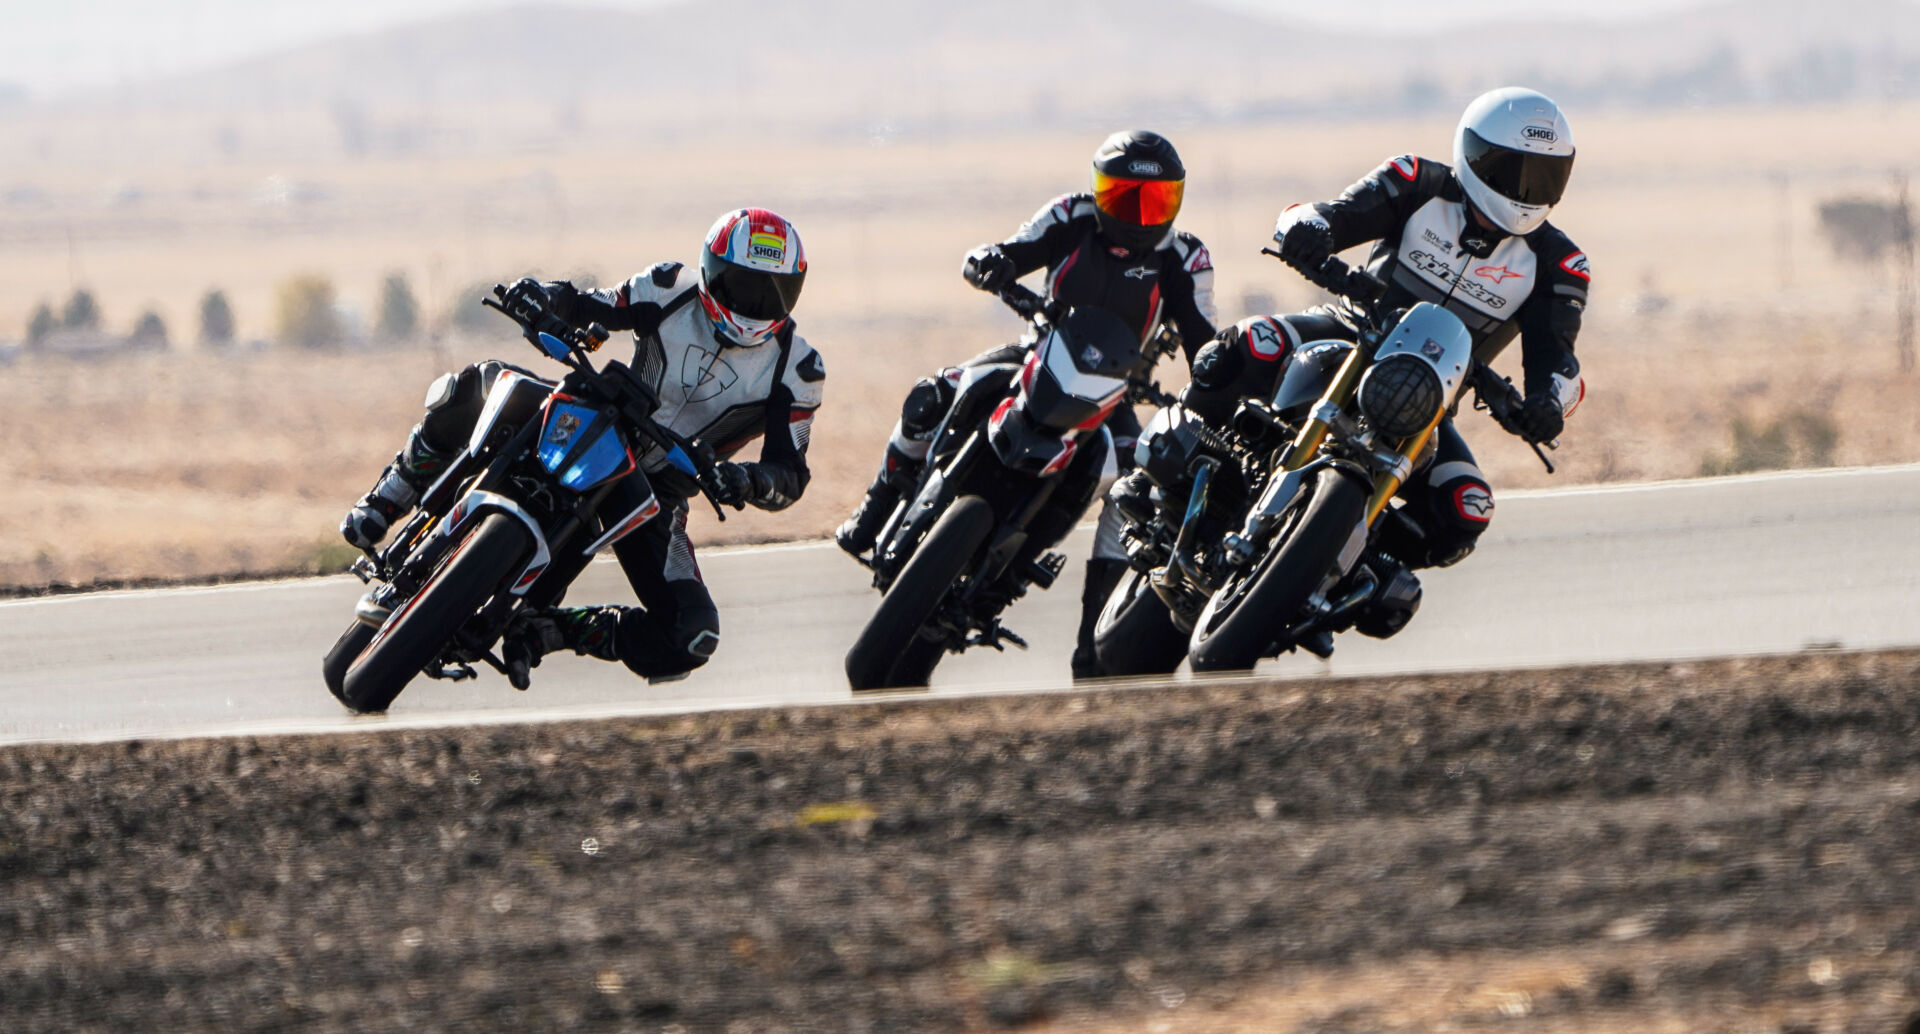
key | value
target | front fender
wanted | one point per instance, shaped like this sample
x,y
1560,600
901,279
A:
x,y
477,504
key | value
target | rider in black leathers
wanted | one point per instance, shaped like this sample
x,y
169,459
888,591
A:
x,y
1114,248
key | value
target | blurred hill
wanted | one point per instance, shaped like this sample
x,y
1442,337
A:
x,y
901,67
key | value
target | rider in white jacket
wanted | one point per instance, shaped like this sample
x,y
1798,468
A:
x,y
717,343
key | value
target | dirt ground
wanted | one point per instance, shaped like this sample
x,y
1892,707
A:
x,y
1729,846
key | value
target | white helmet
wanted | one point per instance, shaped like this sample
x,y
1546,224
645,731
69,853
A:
x,y
1513,152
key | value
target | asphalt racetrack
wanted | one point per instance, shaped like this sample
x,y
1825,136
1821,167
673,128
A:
x,y
1747,565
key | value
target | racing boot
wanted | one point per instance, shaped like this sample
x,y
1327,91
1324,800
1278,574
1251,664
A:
x,y
1103,573
399,487
860,531
587,631
1133,494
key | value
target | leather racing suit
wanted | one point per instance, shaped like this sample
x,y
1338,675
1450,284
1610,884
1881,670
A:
x,y
1428,247
710,390
1171,284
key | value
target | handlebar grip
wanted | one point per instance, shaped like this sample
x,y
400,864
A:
x,y
1022,299
1336,277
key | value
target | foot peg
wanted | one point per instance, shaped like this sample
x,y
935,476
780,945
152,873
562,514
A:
x,y
1043,571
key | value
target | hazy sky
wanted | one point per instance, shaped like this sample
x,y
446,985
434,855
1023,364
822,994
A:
x,y
52,45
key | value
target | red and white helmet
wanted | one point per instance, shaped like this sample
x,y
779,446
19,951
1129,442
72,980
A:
x,y
751,270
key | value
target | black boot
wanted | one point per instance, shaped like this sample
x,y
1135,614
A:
x,y
587,631
399,487
1133,495
897,472
1103,573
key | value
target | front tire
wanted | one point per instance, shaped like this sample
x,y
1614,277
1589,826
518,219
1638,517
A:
x,y
1135,634
346,650
1243,623
890,653
478,566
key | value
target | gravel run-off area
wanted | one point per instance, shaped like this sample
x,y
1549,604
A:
x,y
1720,846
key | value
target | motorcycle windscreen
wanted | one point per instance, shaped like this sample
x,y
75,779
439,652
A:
x,y
1308,376
581,446
1060,394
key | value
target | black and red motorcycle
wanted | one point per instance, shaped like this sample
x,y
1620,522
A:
x,y
956,550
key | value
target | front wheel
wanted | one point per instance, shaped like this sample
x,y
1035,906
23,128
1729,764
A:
x,y
890,652
1135,634
1245,620
345,651
478,566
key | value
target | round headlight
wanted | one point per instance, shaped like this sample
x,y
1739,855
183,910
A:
x,y
1400,395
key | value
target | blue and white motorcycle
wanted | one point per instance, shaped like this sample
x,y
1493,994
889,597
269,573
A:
x,y
515,519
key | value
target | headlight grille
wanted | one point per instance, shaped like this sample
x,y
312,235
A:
x,y
1400,395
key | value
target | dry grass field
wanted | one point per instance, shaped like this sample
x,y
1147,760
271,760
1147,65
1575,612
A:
x,y
1717,298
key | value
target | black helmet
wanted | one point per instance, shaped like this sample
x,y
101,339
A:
x,y
1138,183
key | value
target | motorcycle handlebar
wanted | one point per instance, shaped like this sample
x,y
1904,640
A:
x,y
1336,277
526,309
1500,398
1027,303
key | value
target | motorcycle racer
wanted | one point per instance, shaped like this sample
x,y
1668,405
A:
x,y
717,342
1472,237
1113,247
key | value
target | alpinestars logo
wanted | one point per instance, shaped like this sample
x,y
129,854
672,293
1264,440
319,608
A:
x,y
1141,272
1497,274
704,375
1475,503
1576,264
1444,273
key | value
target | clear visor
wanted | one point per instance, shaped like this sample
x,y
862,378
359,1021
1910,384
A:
x,y
1522,176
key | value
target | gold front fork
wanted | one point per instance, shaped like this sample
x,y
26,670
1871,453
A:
x,y
1386,482
1314,431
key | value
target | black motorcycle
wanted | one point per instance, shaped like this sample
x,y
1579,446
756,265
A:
x,y
515,518
953,555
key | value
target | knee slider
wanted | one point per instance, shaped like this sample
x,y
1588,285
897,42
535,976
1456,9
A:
x,y
1217,363
440,392
926,404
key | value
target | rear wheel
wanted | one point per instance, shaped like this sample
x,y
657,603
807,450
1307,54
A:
x,y
1245,620
1136,634
418,631
890,652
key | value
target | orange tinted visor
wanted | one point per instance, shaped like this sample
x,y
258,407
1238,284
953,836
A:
x,y
1140,202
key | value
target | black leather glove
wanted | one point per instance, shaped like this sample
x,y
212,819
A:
x,y
1538,419
561,299
526,293
988,268
733,484
1305,243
